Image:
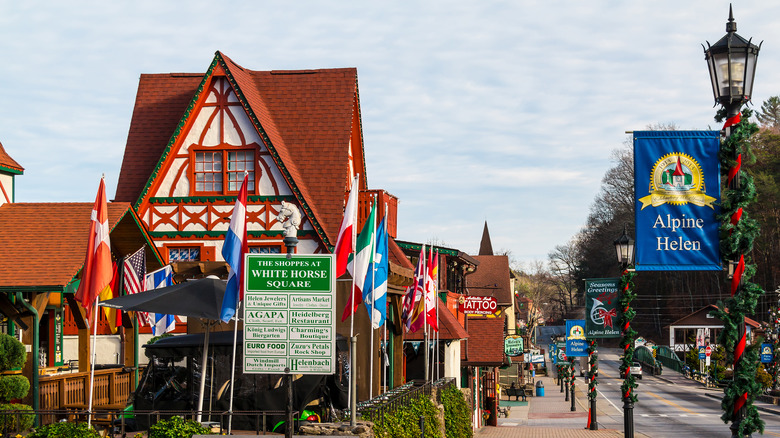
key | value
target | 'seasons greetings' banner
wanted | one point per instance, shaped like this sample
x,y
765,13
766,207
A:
x,y
677,187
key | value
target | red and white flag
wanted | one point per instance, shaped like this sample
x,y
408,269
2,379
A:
x,y
431,290
345,244
97,271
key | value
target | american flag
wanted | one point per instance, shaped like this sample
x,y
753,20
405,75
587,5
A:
x,y
134,268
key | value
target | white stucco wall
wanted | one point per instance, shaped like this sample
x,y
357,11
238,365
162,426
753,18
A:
x,y
452,362
106,346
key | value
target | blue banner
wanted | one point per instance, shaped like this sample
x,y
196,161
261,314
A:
x,y
576,344
766,353
677,187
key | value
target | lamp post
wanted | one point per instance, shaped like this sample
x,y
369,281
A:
x,y
732,67
624,247
592,369
573,408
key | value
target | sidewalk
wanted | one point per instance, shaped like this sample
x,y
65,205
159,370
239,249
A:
x,y
548,416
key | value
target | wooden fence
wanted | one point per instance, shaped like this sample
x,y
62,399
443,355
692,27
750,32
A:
x,y
112,388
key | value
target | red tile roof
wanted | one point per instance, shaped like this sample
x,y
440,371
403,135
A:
x,y
449,328
43,244
307,116
485,346
7,162
159,106
491,279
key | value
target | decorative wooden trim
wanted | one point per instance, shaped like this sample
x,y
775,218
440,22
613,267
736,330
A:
x,y
261,234
272,150
184,122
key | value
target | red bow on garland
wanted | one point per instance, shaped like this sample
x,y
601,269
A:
x,y
607,316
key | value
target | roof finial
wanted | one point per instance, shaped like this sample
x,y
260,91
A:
x,y
731,26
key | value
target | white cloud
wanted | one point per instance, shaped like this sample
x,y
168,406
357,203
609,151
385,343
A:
x,y
498,110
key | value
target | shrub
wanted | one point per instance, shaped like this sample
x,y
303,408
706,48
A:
x,y
15,418
405,422
65,430
176,427
457,415
762,377
12,354
12,387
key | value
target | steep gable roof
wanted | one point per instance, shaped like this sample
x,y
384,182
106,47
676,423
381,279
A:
x,y
7,163
485,246
305,117
43,244
491,279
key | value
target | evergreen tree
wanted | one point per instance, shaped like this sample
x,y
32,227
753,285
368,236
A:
x,y
769,114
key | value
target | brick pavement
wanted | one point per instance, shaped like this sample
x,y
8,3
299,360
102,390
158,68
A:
x,y
548,416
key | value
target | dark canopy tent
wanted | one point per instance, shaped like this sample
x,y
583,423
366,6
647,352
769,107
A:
x,y
170,382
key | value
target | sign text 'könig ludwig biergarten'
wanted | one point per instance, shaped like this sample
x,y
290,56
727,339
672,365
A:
x,y
289,319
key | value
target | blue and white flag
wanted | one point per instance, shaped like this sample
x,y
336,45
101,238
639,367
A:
x,y
233,251
677,186
375,286
161,323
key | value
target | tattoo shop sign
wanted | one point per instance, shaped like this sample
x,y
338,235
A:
x,y
477,305
289,318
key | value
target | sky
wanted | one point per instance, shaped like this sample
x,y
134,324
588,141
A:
x,y
502,112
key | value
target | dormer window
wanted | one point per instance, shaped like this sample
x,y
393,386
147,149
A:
x,y
222,171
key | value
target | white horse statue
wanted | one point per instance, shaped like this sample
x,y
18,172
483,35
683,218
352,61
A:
x,y
290,218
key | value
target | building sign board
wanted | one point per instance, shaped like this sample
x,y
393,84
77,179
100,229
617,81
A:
x,y
290,314
513,345
478,305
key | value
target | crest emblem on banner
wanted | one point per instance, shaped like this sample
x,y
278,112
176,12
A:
x,y
677,179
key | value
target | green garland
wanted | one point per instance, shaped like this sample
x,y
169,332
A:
x,y
593,361
737,240
627,294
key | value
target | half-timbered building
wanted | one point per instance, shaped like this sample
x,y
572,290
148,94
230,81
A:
x,y
297,134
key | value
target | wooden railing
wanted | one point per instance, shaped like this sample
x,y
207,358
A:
x,y
60,391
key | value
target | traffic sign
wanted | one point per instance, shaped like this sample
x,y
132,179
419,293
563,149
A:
x,y
707,351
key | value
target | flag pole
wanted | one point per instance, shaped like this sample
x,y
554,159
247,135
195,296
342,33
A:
x,y
352,344
233,369
204,359
92,366
425,313
371,310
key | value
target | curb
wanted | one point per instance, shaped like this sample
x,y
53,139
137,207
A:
x,y
760,408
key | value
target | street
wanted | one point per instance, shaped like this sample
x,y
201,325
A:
x,y
669,406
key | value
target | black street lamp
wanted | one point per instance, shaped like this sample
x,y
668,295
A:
x,y
624,247
732,67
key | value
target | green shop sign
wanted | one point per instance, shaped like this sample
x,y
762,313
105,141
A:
x,y
513,345
290,314
274,273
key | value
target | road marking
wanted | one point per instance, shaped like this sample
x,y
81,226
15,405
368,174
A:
x,y
671,403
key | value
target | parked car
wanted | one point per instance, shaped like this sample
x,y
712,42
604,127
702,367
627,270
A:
x,y
636,369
